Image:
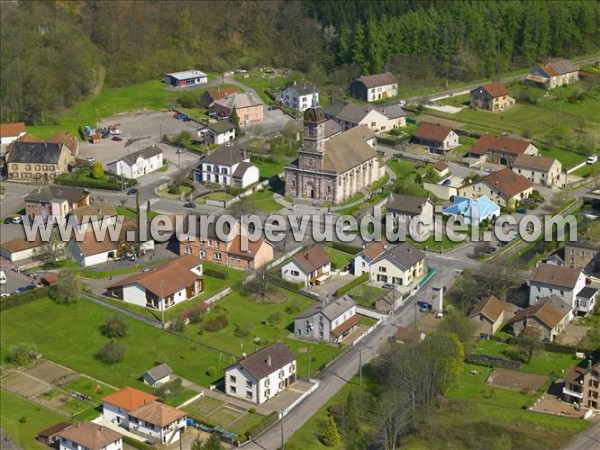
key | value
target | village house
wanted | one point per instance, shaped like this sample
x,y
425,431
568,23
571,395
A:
x,y
97,215
299,96
328,321
404,208
228,165
362,260
187,78
582,386
163,286
539,170
37,161
10,132
441,169
504,187
333,169
501,149
488,314
404,335
91,251
89,436
55,200
545,320
438,138
158,375
492,97
564,282
21,249
138,163
480,209
262,375
583,254
217,94
227,253
219,133
554,74
310,267
67,139
50,436
249,111
138,411
349,115
400,265
371,88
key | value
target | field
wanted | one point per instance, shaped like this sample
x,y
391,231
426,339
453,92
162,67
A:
x,y
366,295
268,169
339,259
217,413
262,201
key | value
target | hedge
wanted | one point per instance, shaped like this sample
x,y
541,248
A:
x,y
354,283
113,184
216,274
346,248
136,444
492,361
24,297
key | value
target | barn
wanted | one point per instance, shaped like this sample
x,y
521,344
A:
x,y
185,79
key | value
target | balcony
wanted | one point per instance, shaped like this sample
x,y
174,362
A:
x,y
571,393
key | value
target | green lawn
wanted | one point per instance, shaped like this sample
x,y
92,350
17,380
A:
x,y
185,190
150,95
89,387
268,169
260,81
221,196
83,178
262,201
566,158
588,170
117,271
401,168
36,419
76,337
379,183
446,244
366,295
338,258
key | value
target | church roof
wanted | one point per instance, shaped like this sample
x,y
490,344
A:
x,y
348,150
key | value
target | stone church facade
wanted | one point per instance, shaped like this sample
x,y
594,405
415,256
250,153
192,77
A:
x,y
334,169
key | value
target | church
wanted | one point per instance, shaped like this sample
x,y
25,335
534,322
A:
x,y
332,166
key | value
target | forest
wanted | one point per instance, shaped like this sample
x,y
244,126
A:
x,y
54,53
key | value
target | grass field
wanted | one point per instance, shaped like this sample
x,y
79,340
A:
x,y
185,190
262,201
37,418
366,295
268,169
402,169
221,196
151,95
338,258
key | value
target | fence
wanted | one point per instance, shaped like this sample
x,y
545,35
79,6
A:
x,y
370,313
101,301
289,409
369,331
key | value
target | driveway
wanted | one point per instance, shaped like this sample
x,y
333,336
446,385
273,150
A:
x,y
332,284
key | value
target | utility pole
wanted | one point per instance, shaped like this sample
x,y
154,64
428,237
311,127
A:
x,y
416,307
360,366
308,362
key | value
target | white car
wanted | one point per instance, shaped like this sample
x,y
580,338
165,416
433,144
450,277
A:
x,y
17,220
592,159
115,132
2,277
90,159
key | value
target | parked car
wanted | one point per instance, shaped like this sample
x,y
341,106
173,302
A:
x,y
180,150
490,250
90,159
132,191
593,159
439,315
17,220
190,205
115,131
30,287
388,286
2,277
117,138
522,211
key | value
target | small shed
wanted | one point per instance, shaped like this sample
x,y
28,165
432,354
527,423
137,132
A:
x,y
50,436
158,375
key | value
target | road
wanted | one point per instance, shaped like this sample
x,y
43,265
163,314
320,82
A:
x,y
586,440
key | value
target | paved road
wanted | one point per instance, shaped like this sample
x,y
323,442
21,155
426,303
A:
x,y
585,440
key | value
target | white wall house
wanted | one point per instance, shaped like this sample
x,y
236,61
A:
x,y
218,133
299,96
90,252
564,282
309,267
363,260
89,436
10,132
137,164
400,265
20,249
329,322
228,166
158,421
262,375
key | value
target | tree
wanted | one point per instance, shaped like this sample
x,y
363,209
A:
x,y
235,120
22,354
352,412
97,170
462,327
53,250
529,345
212,443
114,327
331,438
112,352
67,289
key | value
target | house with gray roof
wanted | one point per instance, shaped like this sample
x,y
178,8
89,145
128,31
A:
x,y
262,375
299,96
404,208
218,133
349,115
37,161
55,201
400,265
554,74
158,375
371,88
137,164
329,321
228,165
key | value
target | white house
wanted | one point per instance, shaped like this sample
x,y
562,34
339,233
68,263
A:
x,y
116,406
309,267
371,88
438,138
229,166
20,249
539,170
262,375
349,115
218,133
138,163
158,375
90,251
299,96
400,265
89,436
363,260
162,286
10,132
187,78
567,283
327,321
158,421
403,209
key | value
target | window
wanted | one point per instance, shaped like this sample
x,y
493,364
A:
x,y
232,379
15,166
292,368
28,167
249,384
267,382
202,253
218,256
37,167
281,374
294,273
268,393
248,394
382,269
233,389
188,250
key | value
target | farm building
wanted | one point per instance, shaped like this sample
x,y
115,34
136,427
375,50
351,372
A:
x,y
186,79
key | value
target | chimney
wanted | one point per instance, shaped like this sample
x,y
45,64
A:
x,y
268,361
589,365
385,246
101,429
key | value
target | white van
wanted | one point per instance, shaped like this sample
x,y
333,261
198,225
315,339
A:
x,y
2,277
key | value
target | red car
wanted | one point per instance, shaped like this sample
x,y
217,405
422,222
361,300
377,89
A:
x,y
117,138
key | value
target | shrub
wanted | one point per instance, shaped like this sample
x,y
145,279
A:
x,y
294,307
22,354
215,323
67,288
174,189
274,318
354,283
114,327
112,352
178,325
347,248
221,275
241,331
252,410
23,419
211,371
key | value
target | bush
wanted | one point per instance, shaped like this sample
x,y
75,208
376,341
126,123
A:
x,y
221,275
211,371
114,327
112,352
241,331
354,283
346,248
294,307
274,318
22,354
178,325
136,444
67,289
252,410
174,189
215,323
23,419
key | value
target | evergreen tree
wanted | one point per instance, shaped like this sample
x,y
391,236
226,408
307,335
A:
x,y
358,47
352,411
332,435
235,120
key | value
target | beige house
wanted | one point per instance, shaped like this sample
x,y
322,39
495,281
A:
x,y
582,386
583,254
401,265
349,115
491,97
438,138
248,110
55,200
488,314
37,161
501,149
372,88
555,74
504,187
539,170
546,319
405,208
